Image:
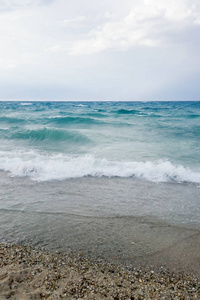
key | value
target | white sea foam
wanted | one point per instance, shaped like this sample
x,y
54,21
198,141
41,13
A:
x,y
43,167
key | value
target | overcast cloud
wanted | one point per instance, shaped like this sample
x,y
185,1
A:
x,y
100,50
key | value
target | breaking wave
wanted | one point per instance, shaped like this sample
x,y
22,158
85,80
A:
x,y
43,167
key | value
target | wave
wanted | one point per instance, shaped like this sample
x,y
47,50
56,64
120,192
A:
x,y
54,135
75,120
127,111
134,112
26,103
192,116
43,167
95,115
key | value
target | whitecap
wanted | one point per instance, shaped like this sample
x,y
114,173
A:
x,y
26,103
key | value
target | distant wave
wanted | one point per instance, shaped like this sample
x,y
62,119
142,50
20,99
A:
x,y
95,114
75,120
192,116
127,111
5,119
133,112
43,167
26,103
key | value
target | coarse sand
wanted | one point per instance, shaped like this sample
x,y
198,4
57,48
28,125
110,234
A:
x,y
31,273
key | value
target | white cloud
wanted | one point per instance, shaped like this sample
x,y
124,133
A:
x,y
54,48
149,23
18,44
140,44
74,22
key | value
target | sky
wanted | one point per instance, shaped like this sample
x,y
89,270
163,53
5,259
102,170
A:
x,y
100,50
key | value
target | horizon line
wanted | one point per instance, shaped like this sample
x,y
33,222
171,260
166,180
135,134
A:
x,y
79,100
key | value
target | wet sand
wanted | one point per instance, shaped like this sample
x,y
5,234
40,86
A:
x,y
32,273
104,258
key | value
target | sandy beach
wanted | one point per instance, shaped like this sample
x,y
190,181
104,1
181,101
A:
x,y
30,273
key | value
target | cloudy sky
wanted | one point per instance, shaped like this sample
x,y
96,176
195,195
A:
x,y
100,50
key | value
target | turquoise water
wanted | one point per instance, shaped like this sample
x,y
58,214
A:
x,y
63,163
157,141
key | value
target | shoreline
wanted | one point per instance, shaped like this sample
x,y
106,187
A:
x,y
28,272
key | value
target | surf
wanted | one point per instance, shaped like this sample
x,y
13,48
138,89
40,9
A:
x,y
45,167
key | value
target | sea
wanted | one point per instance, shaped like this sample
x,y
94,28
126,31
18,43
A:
x,y
103,178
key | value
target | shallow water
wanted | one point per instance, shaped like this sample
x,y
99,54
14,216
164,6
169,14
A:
x,y
120,219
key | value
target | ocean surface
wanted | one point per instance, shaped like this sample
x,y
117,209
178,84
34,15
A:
x,y
73,174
